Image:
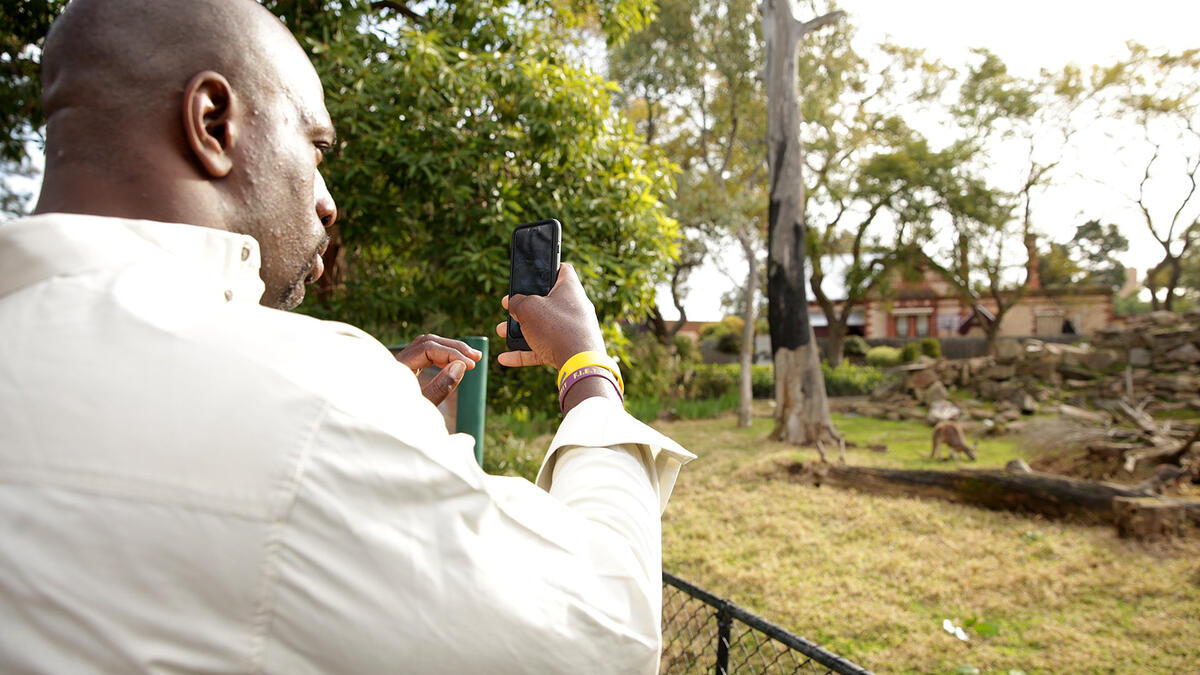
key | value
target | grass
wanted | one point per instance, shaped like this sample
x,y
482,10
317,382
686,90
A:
x,y
873,577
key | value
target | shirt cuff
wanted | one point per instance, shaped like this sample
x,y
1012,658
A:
x,y
600,422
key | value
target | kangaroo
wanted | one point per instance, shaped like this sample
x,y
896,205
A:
x,y
952,435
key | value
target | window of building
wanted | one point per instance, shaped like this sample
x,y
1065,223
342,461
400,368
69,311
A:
x,y
922,325
902,326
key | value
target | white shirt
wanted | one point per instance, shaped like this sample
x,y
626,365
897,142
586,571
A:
x,y
191,482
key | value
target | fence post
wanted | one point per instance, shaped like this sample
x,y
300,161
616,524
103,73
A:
x,y
724,626
472,396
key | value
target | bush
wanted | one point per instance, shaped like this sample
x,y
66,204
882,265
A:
x,y
931,347
727,335
883,357
850,380
855,345
909,352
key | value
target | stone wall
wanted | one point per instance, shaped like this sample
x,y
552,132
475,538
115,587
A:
x,y
1155,356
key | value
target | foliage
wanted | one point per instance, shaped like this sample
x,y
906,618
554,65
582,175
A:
x,y
1089,258
851,380
714,380
455,126
23,27
855,345
726,334
515,442
1158,92
653,371
910,351
883,357
651,409
931,347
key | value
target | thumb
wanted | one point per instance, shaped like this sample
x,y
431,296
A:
x,y
445,382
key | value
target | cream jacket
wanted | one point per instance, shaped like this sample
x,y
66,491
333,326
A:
x,y
190,482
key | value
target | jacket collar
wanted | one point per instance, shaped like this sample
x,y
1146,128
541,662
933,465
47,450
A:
x,y
39,247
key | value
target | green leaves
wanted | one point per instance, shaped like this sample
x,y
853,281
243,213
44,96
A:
x,y
454,129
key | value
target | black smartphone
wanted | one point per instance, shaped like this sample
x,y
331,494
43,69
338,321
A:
x,y
533,267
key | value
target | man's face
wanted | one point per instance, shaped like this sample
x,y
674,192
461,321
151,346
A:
x,y
283,201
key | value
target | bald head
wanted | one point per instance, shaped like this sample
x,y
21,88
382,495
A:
x,y
121,63
205,112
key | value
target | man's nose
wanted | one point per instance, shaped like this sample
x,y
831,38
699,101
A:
x,y
326,208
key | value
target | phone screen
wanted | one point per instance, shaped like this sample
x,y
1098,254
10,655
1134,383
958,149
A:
x,y
533,268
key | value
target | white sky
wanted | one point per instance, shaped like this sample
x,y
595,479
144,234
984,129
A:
x,y
1027,35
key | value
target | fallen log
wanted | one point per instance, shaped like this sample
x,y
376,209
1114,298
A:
x,y
1044,494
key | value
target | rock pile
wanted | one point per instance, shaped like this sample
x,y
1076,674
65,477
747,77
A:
x,y
1156,355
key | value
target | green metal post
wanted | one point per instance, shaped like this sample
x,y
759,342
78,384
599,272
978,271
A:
x,y
472,397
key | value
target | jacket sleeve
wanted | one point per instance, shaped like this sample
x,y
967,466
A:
x,y
400,555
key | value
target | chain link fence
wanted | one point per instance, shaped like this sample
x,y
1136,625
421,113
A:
x,y
706,634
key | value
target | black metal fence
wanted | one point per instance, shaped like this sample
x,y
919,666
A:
x,y
706,634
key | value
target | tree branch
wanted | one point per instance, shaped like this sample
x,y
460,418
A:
x,y
398,7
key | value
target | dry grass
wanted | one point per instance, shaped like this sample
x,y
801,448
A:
x,y
872,578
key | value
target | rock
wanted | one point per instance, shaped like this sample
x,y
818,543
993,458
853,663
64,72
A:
x,y
1017,465
983,414
1181,383
1008,350
1100,359
1023,402
1185,354
1139,357
1163,318
940,411
912,413
1164,341
936,392
920,380
1000,371
1009,415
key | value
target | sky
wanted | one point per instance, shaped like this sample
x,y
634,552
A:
x,y
1027,35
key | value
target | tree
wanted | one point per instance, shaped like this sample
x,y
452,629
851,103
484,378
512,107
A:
x,y
704,108
801,405
457,121
23,27
1088,258
1159,93
993,233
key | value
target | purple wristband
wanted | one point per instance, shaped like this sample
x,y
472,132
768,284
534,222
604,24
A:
x,y
582,373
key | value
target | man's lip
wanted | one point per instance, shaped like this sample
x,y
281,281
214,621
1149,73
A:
x,y
318,268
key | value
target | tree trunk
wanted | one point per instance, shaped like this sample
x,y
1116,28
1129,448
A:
x,y
835,344
749,318
801,409
1052,496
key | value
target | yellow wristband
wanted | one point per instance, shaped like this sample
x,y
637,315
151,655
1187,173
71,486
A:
x,y
584,359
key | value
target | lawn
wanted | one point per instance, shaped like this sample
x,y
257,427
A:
x,y
873,578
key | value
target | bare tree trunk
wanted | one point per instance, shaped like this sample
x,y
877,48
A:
x,y
749,317
835,345
801,408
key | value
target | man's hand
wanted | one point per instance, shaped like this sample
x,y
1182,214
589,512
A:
x,y
454,357
556,326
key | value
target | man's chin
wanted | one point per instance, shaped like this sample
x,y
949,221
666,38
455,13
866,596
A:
x,y
289,299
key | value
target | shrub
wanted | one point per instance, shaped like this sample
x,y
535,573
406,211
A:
x,y
883,357
855,345
727,335
931,347
909,352
850,380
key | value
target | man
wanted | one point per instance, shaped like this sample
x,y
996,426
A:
x,y
194,482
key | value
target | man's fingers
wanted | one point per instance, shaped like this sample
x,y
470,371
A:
x,y
502,329
519,359
434,350
446,381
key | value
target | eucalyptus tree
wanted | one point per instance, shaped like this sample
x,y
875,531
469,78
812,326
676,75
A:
x,y
868,197
1158,94
801,404
691,82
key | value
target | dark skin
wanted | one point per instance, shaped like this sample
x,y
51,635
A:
x,y
208,112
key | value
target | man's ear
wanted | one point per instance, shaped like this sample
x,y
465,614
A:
x,y
210,122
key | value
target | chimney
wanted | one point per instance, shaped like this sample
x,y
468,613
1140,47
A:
x,y
1131,285
1031,267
